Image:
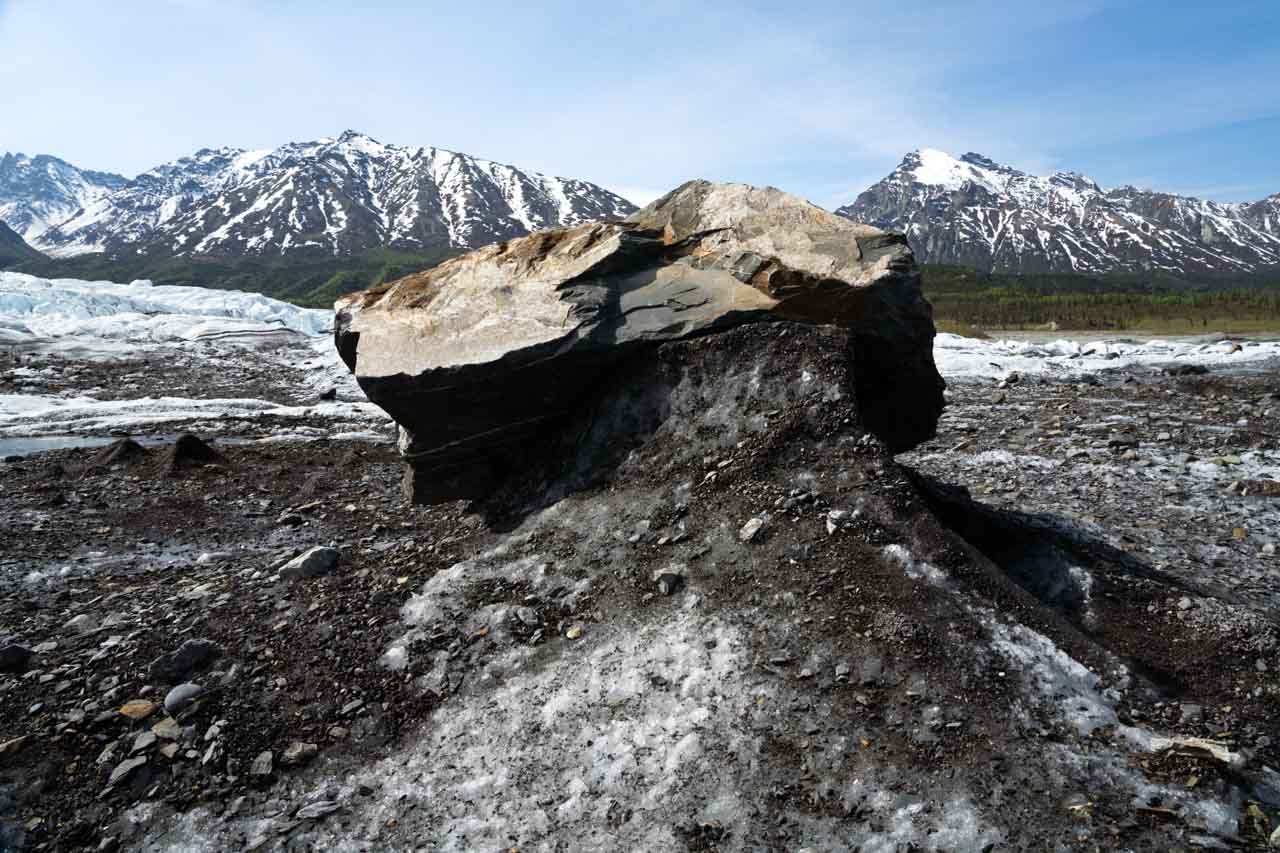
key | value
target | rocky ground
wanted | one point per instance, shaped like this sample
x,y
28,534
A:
x,y
761,633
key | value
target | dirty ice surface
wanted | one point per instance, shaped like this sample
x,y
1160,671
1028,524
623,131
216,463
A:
x,y
51,329
962,357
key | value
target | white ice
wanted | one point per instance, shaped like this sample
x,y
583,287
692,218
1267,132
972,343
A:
x,y
961,357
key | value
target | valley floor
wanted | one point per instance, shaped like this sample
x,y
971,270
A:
x,y
1168,452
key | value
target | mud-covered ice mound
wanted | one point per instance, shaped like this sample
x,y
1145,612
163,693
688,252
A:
x,y
721,617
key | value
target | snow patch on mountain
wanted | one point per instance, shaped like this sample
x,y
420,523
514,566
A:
x,y
38,192
333,196
976,212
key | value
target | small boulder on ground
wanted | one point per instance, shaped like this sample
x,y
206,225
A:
x,y
172,667
312,563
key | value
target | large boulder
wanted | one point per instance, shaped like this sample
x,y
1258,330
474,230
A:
x,y
483,357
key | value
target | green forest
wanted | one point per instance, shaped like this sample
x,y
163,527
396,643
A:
x,y
967,301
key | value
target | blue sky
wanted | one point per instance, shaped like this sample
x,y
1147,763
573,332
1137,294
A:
x,y
819,98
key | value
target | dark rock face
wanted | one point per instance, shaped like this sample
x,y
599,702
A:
x,y
486,354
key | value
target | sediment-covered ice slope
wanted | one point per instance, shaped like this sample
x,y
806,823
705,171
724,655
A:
x,y
34,308
960,357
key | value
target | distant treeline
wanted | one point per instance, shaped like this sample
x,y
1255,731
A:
x,y
963,298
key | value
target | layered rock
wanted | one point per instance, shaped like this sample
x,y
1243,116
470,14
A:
x,y
482,359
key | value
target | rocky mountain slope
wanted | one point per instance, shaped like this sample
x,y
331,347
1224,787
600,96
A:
x,y
13,247
333,196
39,192
976,212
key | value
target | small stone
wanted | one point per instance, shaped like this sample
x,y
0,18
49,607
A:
x,y
174,666
339,732
180,698
263,764
81,624
299,753
351,707
834,518
213,753
11,746
138,709
311,563
313,811
169,750
668,580
167,729
574,632
750,529
124,768
1184,603
143,742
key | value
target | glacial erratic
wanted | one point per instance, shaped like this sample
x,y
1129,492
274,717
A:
x,y
481,359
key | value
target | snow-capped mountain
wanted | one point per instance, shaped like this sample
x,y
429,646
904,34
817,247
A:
x,y
973,211
38,192
334,196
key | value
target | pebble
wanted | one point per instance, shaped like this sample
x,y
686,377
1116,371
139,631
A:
x,y
143,742
180,698
668,580
167,729
262,765
173,667
124,768
312,811
138,709
13,745
750,529
81,624
299,753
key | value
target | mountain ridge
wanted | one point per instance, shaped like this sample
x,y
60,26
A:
x,y
333,196
973,211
